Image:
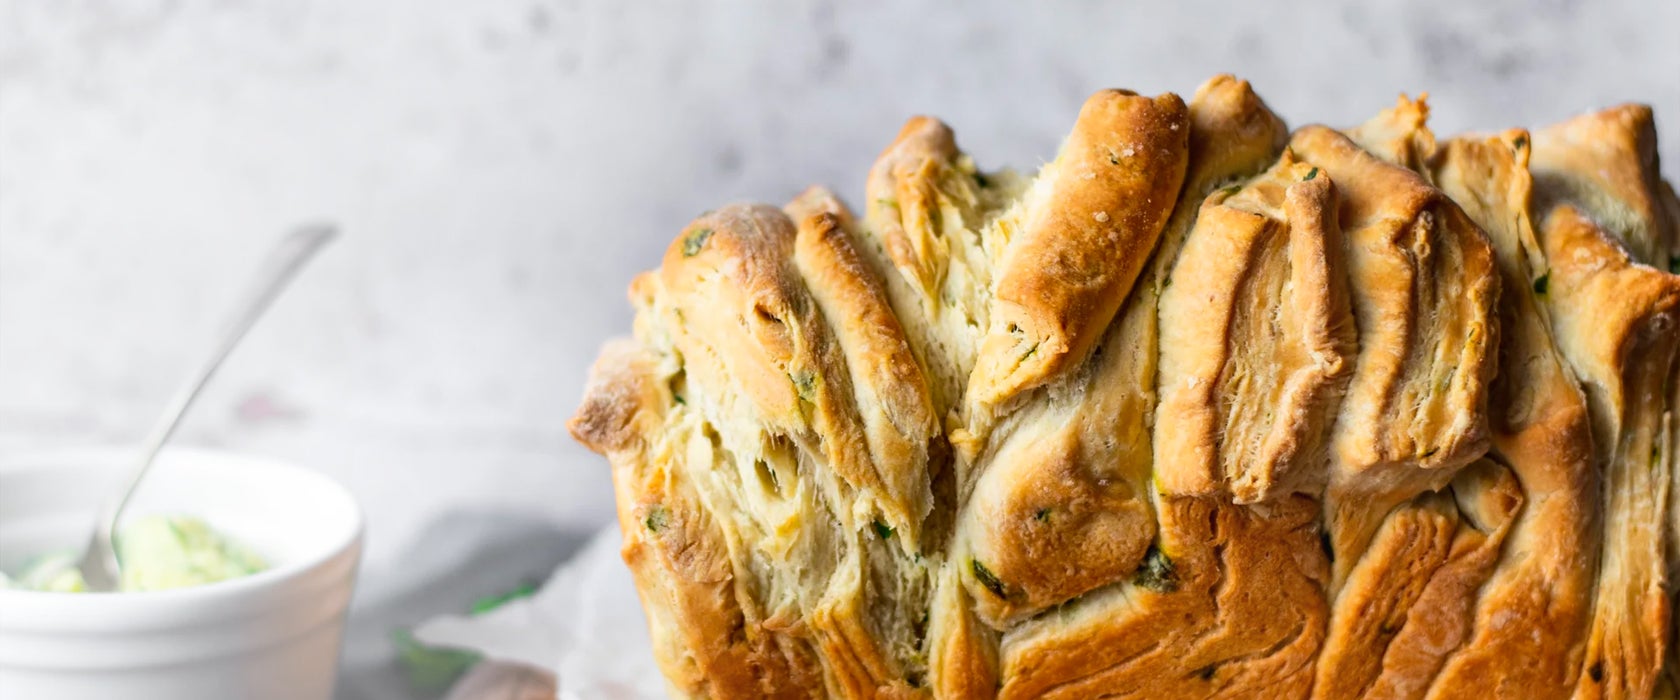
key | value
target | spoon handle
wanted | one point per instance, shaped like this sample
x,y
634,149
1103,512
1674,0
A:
x,y
277,271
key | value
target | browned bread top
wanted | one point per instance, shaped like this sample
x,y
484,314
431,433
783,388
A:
x,y
1200,409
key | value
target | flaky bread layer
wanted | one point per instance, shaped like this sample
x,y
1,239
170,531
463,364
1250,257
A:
x,y
1201,408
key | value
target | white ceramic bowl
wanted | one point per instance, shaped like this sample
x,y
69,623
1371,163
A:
x,y
274,634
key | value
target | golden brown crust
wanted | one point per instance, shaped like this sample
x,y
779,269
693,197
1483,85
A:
x,y
1262,338
742,318
1066,479
1423,289
1399,134
1233,135
1615,322
927,233
904,181
839,474
1605,163
1407,604
1087,227
675,550
962,652
1371,607
615,412
899,424
1538,418
1236,610
1047,496
1442,620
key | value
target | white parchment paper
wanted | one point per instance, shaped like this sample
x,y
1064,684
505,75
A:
x,y
586,625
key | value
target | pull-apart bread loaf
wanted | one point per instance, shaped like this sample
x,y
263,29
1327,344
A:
x,y
1203,408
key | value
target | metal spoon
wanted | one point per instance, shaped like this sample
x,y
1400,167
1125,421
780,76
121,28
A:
x,y
98,565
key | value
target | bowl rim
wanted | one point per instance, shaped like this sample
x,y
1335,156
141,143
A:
x,y
288,580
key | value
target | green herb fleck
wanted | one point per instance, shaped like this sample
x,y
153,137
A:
x,y
657,518
883,530
987,578
1521,142
1043,515
981,180
1541,283
1311,174
1674,264
679,399
694,241
806,384
1233,189
1156,573
887,202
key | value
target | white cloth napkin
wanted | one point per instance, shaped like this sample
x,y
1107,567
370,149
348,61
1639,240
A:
x,y
585,625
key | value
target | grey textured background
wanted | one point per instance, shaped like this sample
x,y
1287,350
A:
x,y
502,167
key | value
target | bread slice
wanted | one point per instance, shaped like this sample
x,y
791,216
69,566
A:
x,y
1423,292
1265,338
1067,478
1538,417
1616,321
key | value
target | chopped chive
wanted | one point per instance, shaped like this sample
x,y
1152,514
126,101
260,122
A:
x,y
695,241
657,518
1156,573
1043,515
882,530
987,578
1311,174
1541,283
805,383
